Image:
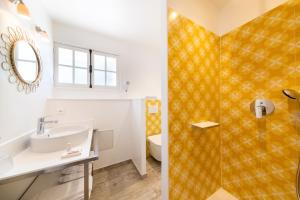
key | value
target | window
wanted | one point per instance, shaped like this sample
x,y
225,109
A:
x,y
73,67
105,70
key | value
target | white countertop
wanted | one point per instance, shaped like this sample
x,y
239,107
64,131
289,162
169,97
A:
x,y
27,161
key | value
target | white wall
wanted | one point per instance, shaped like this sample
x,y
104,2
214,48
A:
x,y
164,106
236,12
202,12
138,135
19,111
141,65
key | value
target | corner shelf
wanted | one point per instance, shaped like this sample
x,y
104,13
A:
x,y
205,124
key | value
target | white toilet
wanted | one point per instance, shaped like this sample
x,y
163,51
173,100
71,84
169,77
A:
x,y
155,146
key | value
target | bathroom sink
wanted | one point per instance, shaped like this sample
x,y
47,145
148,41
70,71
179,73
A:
x,y
59,138
6,163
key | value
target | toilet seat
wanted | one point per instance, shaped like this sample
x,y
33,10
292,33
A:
x,y
155,139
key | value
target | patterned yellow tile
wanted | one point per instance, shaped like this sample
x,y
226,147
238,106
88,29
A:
x,y
153,120
260,67
258,158
193,96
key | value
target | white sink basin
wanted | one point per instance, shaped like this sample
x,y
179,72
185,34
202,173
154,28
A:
x,y
57,139
6,163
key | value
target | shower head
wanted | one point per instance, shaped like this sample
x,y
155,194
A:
x,y
292,94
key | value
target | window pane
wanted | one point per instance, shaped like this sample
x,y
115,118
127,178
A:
x,y
65,74
65,56
81,59
80,76
111,64
28,70
99,78
111,79
25,51
99,62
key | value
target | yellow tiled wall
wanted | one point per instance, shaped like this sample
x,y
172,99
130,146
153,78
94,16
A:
x,y
153,120
194,155
257,158
258,60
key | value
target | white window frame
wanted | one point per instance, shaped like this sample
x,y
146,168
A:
x,y
56,76
117,71
73,85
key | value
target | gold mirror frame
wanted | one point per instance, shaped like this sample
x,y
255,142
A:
x,y
9,40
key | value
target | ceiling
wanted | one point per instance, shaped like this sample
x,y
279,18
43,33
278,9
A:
x,y
120,19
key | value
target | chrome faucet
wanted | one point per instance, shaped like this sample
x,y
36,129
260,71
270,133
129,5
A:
x,y
41,125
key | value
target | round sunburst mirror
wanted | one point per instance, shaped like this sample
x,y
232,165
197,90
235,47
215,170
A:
x,y
21,59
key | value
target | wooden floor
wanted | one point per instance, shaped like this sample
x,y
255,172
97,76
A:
x,y
123,182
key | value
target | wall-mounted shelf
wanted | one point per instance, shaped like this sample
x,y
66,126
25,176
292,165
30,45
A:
x,y
205,124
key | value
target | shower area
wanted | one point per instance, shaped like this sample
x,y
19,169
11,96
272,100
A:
x,y
247,81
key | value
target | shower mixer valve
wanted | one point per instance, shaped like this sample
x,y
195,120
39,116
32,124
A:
x,y
262,107
260,110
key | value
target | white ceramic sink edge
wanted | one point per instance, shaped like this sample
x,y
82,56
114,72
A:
x,y
27,161
58,138
6,163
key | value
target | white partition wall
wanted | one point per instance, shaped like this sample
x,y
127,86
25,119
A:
x,y
139,135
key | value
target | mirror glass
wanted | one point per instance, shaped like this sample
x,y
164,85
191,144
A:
x,y
26,62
